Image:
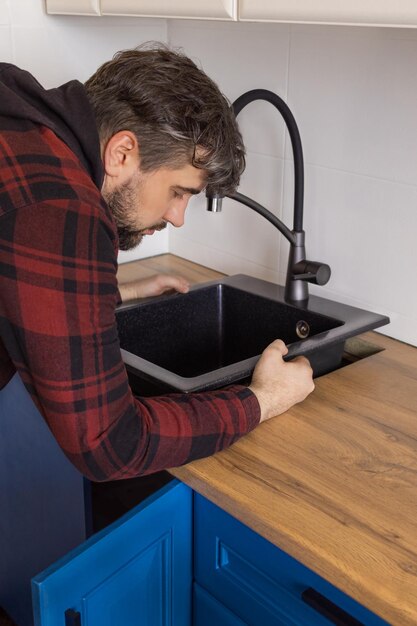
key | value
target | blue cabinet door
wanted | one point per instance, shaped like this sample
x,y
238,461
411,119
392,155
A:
x,y
261,584
207,611
136,572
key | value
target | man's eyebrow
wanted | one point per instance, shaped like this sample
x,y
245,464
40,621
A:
x,y
192,190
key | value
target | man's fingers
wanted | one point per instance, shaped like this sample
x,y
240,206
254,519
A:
x,y
154,285
301,359
279,345
170,281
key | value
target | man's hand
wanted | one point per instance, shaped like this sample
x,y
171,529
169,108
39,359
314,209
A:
x,y
279,384
153,286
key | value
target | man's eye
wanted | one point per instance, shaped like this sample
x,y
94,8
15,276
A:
x,y
178,194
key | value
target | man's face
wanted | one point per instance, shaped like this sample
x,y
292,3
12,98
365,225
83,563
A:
x,y
149,201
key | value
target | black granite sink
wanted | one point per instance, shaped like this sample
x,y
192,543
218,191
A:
x,y
213,335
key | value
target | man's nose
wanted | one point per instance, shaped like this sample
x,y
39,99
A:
x,y
176,213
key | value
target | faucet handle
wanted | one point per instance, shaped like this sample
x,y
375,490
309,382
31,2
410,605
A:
x,y
312,272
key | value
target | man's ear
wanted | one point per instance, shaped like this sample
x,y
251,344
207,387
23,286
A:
x,y
121,156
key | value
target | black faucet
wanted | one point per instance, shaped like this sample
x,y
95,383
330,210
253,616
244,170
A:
x,y
300,271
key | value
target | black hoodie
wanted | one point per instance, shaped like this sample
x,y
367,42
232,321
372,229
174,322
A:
x,y
65,110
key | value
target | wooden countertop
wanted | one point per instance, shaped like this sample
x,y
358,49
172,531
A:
x,y
333,481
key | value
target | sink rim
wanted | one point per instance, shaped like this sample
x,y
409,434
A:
x,y
354,320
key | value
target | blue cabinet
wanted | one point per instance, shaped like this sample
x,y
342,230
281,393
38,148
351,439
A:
x,y
136,571
176,560
42,514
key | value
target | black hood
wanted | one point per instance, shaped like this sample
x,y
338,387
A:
x,y
65,110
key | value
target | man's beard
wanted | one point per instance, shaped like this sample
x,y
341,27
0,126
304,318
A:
x,y
123,203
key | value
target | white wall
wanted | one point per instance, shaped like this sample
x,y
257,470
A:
x,y
56,49
353,92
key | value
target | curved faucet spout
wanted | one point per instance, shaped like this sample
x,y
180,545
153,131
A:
x,y
297,149
299,271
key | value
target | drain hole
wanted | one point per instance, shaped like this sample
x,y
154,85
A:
x,y
302,329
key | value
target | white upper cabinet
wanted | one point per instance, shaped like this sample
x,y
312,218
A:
x,y
197,9
366,12
73,7
202,9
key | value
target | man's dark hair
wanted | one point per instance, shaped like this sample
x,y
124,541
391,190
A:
x,y
173,108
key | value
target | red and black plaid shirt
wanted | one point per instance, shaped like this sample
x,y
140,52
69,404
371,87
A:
x,y
58,295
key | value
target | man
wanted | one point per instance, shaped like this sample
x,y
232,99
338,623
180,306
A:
x,y
86,170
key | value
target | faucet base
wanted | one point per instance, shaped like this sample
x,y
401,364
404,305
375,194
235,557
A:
x,y
296,291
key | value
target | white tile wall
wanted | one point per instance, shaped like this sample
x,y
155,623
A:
x,y
6,47
353,92
6,53
4,13
61,48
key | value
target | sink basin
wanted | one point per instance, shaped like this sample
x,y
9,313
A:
x,y
213,335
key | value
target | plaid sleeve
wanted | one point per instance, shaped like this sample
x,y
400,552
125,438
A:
x,y
58,294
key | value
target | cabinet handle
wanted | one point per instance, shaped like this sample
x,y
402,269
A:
x,y
72,618
328,609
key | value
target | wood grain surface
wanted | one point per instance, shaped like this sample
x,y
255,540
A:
x,y
333,481
165,264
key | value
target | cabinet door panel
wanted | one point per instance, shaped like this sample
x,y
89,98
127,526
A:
x,y
208,612
259,582
136,571
369,12
73,7
212,9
